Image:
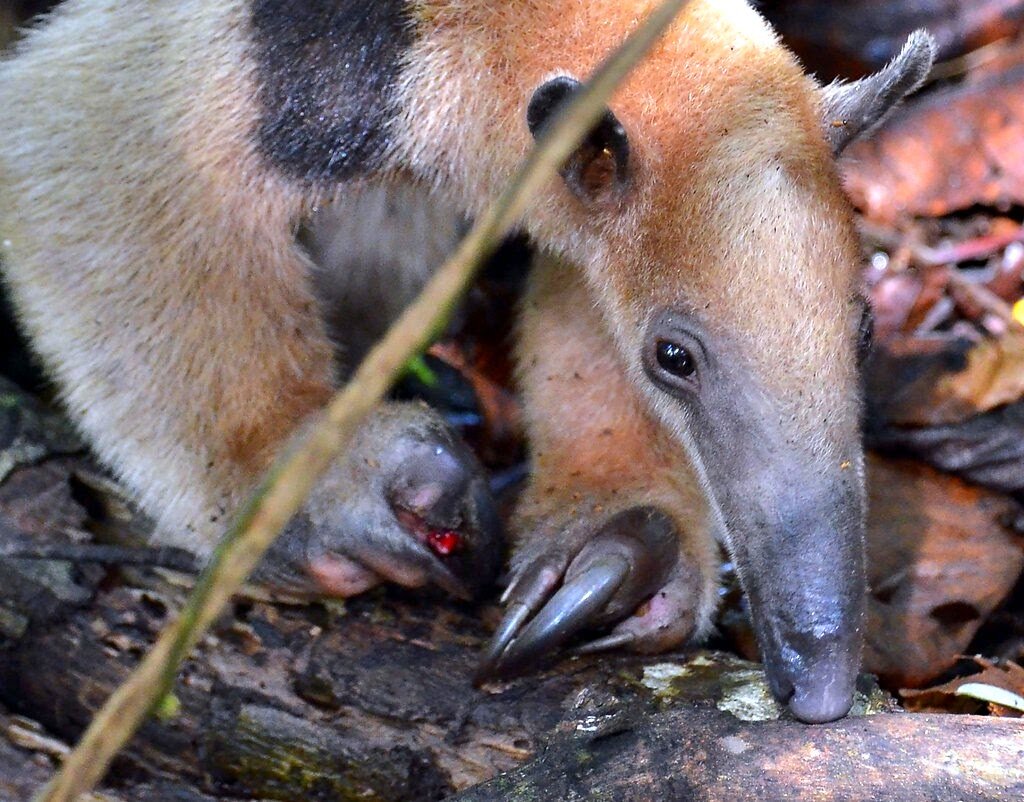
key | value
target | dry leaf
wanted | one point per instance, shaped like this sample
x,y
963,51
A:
x,y
946,152
943,380
946,699
939,562
994,377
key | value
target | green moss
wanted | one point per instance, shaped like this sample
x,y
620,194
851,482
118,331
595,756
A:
x,y
738,687
285,763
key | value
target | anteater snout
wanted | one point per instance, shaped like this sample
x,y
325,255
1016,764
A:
x,y
813,658
816,688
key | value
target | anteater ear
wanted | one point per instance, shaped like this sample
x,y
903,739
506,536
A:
x,y
599,169
852,110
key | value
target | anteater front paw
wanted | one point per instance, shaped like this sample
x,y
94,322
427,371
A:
x,y
408,504
625,571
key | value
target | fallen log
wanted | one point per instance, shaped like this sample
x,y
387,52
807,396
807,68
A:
x,y
700,753
374,702
24,767
372,699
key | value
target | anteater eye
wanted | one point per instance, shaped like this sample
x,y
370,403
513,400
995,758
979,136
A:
x,y
675,359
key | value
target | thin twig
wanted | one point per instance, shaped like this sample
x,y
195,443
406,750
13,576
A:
x,y
288,483
140,556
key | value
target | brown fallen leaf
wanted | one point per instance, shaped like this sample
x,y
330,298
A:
x,y
993,377
939,561
946,699
946,152
943,379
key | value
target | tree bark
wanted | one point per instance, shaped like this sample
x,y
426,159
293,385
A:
x,y
705,754
372,700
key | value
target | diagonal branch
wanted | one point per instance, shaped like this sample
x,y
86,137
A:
x,y
288,483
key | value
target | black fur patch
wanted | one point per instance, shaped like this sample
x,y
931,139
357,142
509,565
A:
x,y
327,70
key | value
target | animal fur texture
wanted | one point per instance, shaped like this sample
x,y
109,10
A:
x,y
158,159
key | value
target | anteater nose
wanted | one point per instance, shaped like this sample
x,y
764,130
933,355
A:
x,y
815,692
816,700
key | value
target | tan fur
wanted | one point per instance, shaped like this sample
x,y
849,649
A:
x,y
596,450
725,132
144,174
153,181
726,144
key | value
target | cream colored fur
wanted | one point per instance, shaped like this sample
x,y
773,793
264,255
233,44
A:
x,y
150,249
150,252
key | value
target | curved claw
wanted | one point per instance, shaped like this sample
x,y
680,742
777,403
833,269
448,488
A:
x,y
629,558
570,610
606,644
531,588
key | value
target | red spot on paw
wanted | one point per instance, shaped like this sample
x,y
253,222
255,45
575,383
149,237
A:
x,y
444,541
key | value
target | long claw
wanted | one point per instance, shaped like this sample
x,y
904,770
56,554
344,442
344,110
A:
x,y
614,641
627,560
531,589
516,616
571,609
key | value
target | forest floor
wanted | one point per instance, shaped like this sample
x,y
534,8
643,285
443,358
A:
x,y
371,699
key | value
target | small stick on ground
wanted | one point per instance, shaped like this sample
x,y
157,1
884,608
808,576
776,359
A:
x,y
143,557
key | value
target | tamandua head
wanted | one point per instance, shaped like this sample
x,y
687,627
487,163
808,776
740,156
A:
x,y
713,231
